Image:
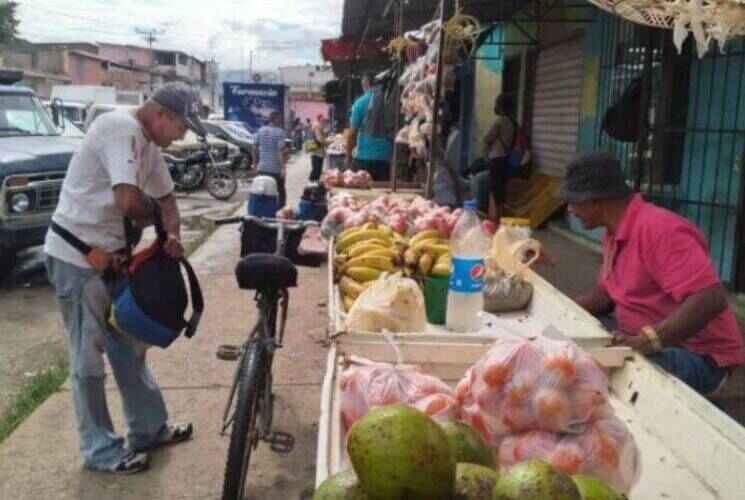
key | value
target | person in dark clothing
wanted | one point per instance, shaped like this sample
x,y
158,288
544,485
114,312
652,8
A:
x,y
497,146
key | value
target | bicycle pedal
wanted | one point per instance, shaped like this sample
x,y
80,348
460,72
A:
x,y
228,352
281,442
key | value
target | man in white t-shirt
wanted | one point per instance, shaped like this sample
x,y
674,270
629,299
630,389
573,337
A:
x,y
118,172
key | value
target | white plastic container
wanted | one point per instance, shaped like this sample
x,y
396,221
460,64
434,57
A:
x,y
469,244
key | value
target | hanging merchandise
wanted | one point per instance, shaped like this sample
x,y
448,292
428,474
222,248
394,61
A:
x,y
708,20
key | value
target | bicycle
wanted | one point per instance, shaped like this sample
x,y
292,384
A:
x,y
270,275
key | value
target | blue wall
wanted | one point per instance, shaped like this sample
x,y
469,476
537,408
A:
x,y
713,151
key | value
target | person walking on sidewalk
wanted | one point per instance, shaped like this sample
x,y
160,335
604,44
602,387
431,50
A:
x,y
367,148
320,136
272,153
657,278
119,172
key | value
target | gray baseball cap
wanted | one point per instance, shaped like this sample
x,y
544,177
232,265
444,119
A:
x,y
594,176
180,99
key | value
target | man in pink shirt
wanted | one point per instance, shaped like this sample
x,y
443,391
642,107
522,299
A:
x,y
657,278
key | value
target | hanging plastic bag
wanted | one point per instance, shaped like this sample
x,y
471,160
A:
x,y
513,251
393,303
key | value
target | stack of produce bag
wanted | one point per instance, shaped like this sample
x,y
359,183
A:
x,y
392,303
548,400
366,384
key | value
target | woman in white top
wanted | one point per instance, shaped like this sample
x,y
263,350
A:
x,y
497,146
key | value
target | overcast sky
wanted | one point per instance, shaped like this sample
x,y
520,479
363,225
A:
x,y
223,29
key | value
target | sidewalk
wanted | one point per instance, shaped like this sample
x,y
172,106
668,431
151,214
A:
x,y
41,460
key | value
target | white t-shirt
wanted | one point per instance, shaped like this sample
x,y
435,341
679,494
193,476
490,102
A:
x,y
114,151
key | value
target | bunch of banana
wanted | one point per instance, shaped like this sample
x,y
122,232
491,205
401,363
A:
x,y
427,254
363,254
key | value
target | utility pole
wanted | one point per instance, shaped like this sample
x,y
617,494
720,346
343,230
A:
x,y
150,36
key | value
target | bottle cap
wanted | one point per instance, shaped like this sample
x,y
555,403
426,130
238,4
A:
x,y
470,205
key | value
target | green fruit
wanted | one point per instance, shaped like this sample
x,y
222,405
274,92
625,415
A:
x,y
535,480
467,445
475,482
341,486
399,453
595,489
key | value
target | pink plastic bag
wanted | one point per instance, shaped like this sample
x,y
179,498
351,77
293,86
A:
x,y
379,384
523,385
605,450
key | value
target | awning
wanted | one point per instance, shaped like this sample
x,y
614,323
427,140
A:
x,y
348,49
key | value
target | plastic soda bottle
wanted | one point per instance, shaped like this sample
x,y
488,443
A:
x,y
469,244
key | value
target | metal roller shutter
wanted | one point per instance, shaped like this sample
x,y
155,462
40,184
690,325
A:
x,y
558,87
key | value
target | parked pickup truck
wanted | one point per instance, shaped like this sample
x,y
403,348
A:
x,y
33,160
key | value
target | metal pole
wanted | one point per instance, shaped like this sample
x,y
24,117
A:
x,y
399,22
435,148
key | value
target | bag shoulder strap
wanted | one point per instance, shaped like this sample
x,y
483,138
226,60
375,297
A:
x,y
197,300
71,239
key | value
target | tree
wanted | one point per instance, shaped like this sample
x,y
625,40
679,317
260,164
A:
x,y
8,21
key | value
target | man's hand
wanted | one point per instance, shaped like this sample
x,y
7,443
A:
x,y
640,342
173,247
99,259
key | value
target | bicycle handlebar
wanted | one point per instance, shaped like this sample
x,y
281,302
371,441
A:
x,y
267,222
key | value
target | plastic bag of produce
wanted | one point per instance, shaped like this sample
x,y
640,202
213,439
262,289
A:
x,y
393,303
606,450
367,385
511,254
524,385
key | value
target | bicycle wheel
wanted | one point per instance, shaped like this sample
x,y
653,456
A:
x,y
243,436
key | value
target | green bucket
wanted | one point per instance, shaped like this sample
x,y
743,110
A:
x,y
436,298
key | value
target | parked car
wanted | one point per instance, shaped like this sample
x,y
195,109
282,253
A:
x,y
34,156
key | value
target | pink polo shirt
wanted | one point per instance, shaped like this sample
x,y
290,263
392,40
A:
x,y
652,264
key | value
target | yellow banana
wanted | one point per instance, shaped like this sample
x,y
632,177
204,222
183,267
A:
x,y
349,287
363,247
426,262
339,261
369,225
347,232
441,269
443,259
388,253
369,234
348,302
387,230
436,248
363,274
411,257
424,235
382,263
422,245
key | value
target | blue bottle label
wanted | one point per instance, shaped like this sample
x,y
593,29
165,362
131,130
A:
x,y
467,275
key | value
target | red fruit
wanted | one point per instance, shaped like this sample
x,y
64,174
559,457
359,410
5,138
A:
x,y
497,374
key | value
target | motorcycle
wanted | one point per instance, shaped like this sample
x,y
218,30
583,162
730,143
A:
x,y
199,169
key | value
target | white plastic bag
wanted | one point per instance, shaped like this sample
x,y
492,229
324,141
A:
x,y
393,303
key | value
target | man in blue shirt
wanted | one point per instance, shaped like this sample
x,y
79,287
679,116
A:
x,y
364,150
272,153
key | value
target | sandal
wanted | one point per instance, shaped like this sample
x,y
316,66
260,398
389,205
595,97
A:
x,y
170,434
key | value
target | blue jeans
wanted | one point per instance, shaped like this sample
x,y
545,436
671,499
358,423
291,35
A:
x,y
85,301
699,372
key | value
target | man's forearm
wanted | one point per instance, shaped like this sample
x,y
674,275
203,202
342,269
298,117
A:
x,y
692,316
595,302
171,215
351,144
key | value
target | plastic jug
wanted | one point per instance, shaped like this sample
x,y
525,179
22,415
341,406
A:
x,y
469,244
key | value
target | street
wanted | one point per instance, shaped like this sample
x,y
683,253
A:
x,y
41,458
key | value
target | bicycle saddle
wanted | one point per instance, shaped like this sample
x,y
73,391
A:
x,y
261,271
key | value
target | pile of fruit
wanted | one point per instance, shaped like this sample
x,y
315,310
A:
x,y
528,399
399,453
348,179
364,253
